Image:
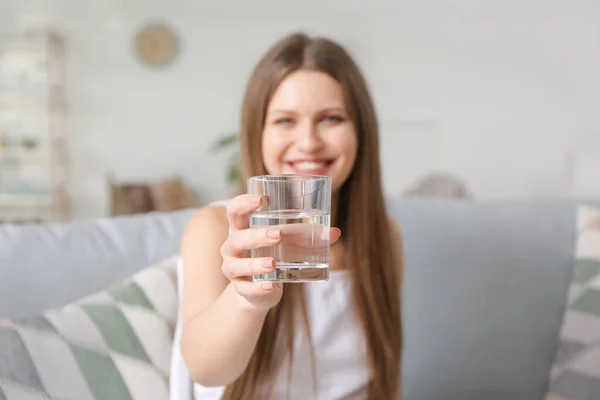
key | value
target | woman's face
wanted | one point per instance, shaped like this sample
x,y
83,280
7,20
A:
x,y
308,129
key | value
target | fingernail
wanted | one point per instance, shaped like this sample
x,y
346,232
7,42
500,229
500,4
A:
x,y
255,199
267,286
338,230
273,234
267,264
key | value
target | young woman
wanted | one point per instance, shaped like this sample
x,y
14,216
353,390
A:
x,y
307,109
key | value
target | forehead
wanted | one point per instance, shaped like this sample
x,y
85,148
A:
x,y
307,91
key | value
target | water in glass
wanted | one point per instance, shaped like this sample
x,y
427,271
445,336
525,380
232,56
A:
x,y
303,253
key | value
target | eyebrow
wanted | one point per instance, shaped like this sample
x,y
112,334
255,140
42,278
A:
x,y
326,109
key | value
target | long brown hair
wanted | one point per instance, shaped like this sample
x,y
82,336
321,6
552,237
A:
x,y
361,216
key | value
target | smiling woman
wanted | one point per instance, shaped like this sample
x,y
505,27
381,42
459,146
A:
x,y
307,110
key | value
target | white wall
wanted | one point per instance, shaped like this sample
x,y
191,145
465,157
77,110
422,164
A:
x,y
498,92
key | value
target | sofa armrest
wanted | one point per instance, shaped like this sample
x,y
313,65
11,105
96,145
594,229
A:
x,y
49,265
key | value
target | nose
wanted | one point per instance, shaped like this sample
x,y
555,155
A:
x,y
308,139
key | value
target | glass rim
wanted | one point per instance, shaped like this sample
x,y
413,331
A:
x,y
288,178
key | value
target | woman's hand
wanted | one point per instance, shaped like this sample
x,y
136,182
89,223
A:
x,y
238,267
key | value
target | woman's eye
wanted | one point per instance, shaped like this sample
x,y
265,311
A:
x,y
333,118
283,121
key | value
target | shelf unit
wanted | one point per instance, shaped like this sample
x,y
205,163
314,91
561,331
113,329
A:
x,y
33,157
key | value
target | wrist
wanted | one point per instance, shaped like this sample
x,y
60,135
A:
x,y
247,307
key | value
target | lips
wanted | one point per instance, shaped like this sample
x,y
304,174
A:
x,y
317,166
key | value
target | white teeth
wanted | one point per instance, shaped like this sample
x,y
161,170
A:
x,y
309,165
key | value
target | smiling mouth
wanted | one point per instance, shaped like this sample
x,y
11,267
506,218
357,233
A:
x,y
313,166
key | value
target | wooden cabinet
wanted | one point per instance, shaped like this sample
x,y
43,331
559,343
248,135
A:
x,y
33,154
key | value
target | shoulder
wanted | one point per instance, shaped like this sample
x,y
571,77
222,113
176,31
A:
x,y
200,251
207,222
207,217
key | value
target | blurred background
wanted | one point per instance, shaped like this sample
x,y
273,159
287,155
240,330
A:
x,y
113,107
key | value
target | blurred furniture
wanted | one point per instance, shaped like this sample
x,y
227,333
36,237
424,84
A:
x,y
439,184
485,291
33,159
168,194
130,198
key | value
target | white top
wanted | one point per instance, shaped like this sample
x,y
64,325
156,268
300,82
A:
x,y
339,349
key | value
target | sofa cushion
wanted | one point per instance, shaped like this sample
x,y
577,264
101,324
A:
x,y
49,265
485,290
114,344
576,372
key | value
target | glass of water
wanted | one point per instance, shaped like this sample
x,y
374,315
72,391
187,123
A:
x,y
300,206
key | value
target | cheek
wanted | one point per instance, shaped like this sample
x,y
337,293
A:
x,y
273,149
347,144
352,147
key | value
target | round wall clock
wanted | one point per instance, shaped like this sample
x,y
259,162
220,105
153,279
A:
x,y
156,45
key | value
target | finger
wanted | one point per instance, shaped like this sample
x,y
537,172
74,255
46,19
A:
x,y
252,289
238,209
244,267
302,229
334,235
309,235
247,239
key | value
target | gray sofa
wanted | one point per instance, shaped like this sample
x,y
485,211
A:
x,y
485,284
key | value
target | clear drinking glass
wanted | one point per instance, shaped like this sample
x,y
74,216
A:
x,y
300,206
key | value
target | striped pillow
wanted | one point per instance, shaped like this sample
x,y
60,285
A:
x,y
113,345
576,373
